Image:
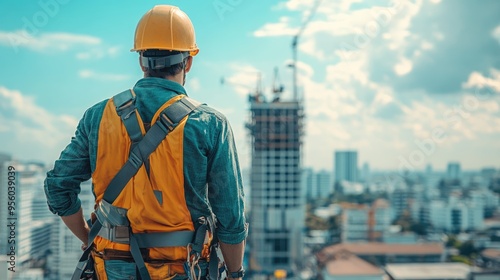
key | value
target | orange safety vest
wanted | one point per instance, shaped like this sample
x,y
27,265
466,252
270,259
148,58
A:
x,y
155,202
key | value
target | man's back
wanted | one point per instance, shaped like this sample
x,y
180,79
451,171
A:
x,y
165,195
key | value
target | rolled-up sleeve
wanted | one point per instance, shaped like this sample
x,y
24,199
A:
x,y
62,184
225,188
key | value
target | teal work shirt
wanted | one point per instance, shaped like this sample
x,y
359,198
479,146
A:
x,y
212,178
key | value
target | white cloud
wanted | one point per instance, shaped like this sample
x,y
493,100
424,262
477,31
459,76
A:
x,y
350,109
108,77
244,80
280,28
46,42
478,80
98,53
305,69
30,131
496,33
403,67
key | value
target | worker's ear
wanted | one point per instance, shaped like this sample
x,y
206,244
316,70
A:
x,y
142,67
189,63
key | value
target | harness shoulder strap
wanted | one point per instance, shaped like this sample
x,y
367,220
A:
x,y
125,108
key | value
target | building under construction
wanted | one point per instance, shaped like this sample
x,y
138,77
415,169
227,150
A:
x,y
277,204
277,207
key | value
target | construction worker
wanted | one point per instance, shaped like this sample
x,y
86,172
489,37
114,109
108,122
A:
x,y
164,171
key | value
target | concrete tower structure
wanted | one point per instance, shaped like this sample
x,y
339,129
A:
x,y
277,202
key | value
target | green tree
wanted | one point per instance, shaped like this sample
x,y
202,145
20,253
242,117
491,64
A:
x,y
467,249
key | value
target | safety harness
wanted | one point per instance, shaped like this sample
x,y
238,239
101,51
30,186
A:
x,y
112,223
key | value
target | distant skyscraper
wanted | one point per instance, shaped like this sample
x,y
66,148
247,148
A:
x,y
400,200
365,172
64,245
32,234
316,184
453,171
309,184
4,163
346,166
277,203
324,181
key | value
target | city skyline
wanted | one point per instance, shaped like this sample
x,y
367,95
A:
x,y
458,203
376,77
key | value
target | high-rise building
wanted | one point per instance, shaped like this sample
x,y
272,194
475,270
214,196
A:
x,y
355,222
400,200
453,170
64,245
277,202
316,184
456,215
309,184
29,236
346,166
365,172
31,233
324,182
4,163
362,222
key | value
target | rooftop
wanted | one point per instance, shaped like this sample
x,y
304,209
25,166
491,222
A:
x,y
428,271
378,248
348,205
346,263
491,254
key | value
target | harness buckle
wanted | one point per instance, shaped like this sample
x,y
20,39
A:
x,y
121,234
124,106
167,122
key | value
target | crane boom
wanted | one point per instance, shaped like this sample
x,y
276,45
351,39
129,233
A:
x,y
295,43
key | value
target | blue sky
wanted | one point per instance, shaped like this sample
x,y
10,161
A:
x,y
405,83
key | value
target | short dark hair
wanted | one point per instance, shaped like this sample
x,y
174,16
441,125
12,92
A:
x,y
166,71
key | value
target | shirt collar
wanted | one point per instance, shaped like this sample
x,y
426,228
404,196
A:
x,y
163,83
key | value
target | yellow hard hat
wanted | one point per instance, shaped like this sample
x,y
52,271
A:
x,y
165,27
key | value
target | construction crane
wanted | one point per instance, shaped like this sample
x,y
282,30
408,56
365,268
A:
x,y
295,43
278,87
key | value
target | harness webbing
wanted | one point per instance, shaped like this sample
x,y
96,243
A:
x,y
168,120
126,109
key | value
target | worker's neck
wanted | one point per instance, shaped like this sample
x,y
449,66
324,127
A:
x,y
177,78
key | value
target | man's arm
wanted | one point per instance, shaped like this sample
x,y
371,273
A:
x,y
78,226
226,196
62,184
233,256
